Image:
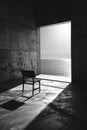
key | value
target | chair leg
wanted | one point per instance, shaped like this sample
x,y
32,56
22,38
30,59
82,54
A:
x,y
23,88
39,86
33,90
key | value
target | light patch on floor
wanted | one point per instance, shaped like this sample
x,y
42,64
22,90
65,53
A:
x,y
32,106
54,78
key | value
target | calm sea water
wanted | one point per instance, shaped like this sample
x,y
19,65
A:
x,y
60,67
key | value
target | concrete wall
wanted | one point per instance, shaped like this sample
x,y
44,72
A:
x,y
79,45
19,40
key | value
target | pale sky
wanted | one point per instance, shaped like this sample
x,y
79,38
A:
x,y
55,41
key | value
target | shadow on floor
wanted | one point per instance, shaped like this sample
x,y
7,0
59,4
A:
x,y
12,105
17,101
66,112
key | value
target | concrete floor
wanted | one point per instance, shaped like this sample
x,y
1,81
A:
x,y
59,106
55,78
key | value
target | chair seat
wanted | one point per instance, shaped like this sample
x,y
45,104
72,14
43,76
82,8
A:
x,y
30,80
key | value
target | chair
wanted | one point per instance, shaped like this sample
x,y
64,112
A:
x,y
29,78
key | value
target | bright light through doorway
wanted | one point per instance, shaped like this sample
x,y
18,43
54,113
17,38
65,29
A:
x,y
55,41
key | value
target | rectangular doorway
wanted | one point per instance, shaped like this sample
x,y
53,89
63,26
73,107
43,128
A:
x,y
55,49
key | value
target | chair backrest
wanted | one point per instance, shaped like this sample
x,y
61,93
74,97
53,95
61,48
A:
x,y
28,73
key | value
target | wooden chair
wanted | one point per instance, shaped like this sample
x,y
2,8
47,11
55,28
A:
x,y
29,78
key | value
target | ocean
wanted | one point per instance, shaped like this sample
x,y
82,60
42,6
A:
x,y
59,67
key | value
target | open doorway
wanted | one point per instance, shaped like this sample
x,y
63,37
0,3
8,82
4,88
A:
x,y
55,41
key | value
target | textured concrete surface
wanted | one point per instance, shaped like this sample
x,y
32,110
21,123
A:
x,y
79,46
4,35
66,112
59,106
4,64
18,110
18,41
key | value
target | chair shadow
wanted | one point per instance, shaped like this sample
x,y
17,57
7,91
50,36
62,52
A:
x,y
15,103
12,105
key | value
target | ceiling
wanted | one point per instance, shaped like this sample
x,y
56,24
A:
x,y
48,11
55,11
51,12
